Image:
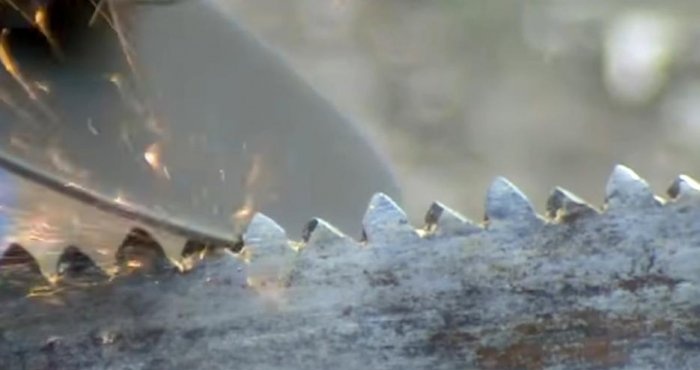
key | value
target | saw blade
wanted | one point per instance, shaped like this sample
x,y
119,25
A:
x,y
578,288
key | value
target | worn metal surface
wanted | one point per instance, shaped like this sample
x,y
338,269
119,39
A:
x,y
578,289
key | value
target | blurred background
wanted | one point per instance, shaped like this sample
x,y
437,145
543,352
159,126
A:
x,y
545,93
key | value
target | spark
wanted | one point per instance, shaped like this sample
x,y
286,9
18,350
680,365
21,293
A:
x,y
125,93
41,20
11,66
243,214
166,173
43,86
73,185
254,173
121,199
134,264
91,127
116,24
152,156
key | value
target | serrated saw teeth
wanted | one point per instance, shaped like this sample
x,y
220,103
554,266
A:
x,y
684,189
507,206
625,190
266,257
441,220
385,220
564,206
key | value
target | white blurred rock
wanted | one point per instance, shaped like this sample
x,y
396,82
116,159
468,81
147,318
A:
x,y
639,49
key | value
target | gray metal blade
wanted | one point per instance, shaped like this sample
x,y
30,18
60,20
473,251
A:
x,y
211,122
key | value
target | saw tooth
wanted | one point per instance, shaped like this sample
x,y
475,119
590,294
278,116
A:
x,y
506,204
441,220
263,230
19,272
74,266
384,221
192,253
562,205
220,266
267,251
172,244
141,253
324,239
625,189
194,247
196,250
684,189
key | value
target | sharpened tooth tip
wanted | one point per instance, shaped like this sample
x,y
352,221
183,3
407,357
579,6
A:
x,y
324,239
565,206
442,220
625,189
262,229
140,252
684,188
16,255
506,203
318,230
19,272
73,264
384,220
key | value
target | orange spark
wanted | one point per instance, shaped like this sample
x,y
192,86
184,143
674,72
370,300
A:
x,y
10,64
243,215
41,20
152,156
